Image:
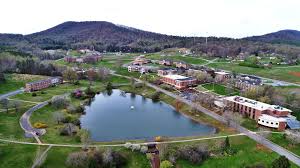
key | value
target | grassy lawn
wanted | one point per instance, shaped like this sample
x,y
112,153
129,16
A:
x,y
219,89
10,127
274,73
248,154
75,53
250,124
16,81
187,59
57,156
16,155
284,142
45,115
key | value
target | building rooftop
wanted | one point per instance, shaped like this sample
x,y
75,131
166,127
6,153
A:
x,y
177,77
42,80
255,104
222,73
271,118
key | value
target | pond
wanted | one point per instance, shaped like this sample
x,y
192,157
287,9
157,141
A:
x,y
126,116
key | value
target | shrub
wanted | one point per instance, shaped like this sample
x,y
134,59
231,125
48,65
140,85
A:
x,y
34,94
40,125
281,162
156,96
193,154
166,164
71,109
76,82
144,149
113,159
138,85
76,122
68,129
43,92
77,160
66,119
109,86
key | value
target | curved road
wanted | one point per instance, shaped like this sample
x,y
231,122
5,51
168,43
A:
x,y
4,96
26,125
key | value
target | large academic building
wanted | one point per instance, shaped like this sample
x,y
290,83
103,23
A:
x,y
178,81
272,116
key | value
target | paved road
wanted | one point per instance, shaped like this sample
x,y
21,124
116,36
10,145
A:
x,y
6,95
260,139
26,125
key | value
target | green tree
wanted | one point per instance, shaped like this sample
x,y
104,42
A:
x,y
109,86
166,164
281,162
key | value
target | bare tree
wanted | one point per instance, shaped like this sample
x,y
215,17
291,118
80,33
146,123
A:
x,y
58,117
103,73
70,75
17,105
91,74
5,104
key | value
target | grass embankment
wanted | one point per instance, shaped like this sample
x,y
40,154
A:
x,y
277,72
16,81
284,142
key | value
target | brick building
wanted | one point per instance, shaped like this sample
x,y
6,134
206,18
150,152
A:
x,y
180,64
91,58
166,62
248,82
42,84
272,116
141,60
178,81
166,71
222,76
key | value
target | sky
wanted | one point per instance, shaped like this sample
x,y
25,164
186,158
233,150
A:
x,y
221,18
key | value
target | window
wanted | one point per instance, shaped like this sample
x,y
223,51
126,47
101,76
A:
x,y
263,121
272,123
276,123
267,122
258,119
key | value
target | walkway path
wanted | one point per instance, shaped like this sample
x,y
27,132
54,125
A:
x,y
123,144
260,139
6,95
40,159
26,125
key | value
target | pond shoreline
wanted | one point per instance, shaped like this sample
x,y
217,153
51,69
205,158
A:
x,y
204,128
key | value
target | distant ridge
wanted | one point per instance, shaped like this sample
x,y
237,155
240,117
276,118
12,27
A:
x,y
279,37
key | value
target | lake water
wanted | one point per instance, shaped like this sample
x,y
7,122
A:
x,y
110,117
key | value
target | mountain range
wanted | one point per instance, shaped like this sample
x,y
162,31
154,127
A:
x,y
101,35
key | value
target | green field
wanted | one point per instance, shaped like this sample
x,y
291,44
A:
x,y
187,59
277,72
15,155
219,89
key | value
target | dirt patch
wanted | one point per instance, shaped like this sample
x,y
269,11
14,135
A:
x,y
262,148
297,74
